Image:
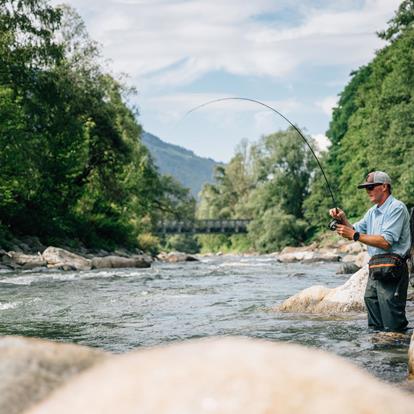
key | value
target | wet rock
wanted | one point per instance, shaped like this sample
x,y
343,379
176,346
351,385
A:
x,y
176,257
60,258
347,269
7,260
349,258
362,259
352,248
30,369
34,244
320,299
27,261
308,257
390,338
226,376
121,262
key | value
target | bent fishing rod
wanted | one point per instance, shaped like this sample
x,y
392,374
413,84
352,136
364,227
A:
x,y
333,223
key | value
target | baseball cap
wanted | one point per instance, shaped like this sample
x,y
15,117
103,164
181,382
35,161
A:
x,y
376,177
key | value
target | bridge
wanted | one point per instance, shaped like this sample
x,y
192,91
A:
x,y
211,226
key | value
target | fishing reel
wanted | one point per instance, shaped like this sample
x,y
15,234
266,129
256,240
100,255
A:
x,y
332,225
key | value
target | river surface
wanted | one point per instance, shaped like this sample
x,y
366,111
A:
x,y
121,309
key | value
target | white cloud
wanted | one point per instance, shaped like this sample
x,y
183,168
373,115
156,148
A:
x,y
152,37
327,104
322,141
174,107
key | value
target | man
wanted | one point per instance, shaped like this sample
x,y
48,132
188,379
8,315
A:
x,y
385,228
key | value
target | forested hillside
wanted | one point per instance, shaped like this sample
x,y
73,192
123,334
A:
x,y
276,183
186,167
72,165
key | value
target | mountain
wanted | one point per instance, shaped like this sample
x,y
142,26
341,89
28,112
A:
x,y
186,167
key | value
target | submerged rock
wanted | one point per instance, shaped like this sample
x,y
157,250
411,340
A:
x,y
30,369
320,299
226,376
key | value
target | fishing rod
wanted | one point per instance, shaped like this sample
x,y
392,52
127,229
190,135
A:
x,y
333,223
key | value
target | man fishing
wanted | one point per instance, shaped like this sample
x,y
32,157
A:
x,y
385,229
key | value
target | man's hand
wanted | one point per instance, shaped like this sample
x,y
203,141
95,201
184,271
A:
x,y
340,215
337,214
345,231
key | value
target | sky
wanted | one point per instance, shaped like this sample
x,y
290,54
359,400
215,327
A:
x,y
295,56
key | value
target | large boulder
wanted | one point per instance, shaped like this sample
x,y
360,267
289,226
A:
x,y
30,369
120,261
60,258
227,376
27,261
319,299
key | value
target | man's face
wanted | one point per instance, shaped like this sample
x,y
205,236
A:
x,y
377,193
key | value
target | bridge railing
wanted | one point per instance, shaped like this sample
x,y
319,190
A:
x,y
203,226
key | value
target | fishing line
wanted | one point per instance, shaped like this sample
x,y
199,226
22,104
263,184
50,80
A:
x,y
284,117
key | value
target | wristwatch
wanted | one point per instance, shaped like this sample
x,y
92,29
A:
x,y
356,236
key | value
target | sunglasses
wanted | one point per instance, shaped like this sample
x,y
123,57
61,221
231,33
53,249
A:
x,y
371,187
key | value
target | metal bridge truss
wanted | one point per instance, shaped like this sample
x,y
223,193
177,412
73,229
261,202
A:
x,y
203,226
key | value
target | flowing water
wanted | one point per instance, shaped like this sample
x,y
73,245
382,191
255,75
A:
x,y
121,309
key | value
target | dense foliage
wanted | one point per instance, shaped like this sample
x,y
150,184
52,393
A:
x,y
372,127
72,164
267,182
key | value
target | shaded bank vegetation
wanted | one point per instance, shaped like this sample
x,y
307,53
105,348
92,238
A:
x,y
72,163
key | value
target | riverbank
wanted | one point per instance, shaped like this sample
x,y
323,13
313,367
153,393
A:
x,y
29,253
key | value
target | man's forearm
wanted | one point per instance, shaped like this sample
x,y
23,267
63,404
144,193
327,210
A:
x,y
374,240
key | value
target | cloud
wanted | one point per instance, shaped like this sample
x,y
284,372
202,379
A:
x,y
327,104
322,142
174,107
176,42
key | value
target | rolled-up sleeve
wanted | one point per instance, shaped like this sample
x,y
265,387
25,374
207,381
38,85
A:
x,y
392,226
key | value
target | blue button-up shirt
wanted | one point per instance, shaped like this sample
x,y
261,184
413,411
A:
x,y
391,220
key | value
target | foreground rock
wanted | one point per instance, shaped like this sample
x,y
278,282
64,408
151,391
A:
x,y
120,262
411,359
320,299
227,376
31,368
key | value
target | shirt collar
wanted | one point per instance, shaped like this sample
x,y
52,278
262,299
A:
x,y
387,202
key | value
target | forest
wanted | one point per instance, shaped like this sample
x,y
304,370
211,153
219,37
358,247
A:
x,y
72,165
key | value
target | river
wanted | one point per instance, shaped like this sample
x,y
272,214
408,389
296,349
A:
x,y
121,309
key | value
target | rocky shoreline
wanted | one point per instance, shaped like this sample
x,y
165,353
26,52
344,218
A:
x,y
30,254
